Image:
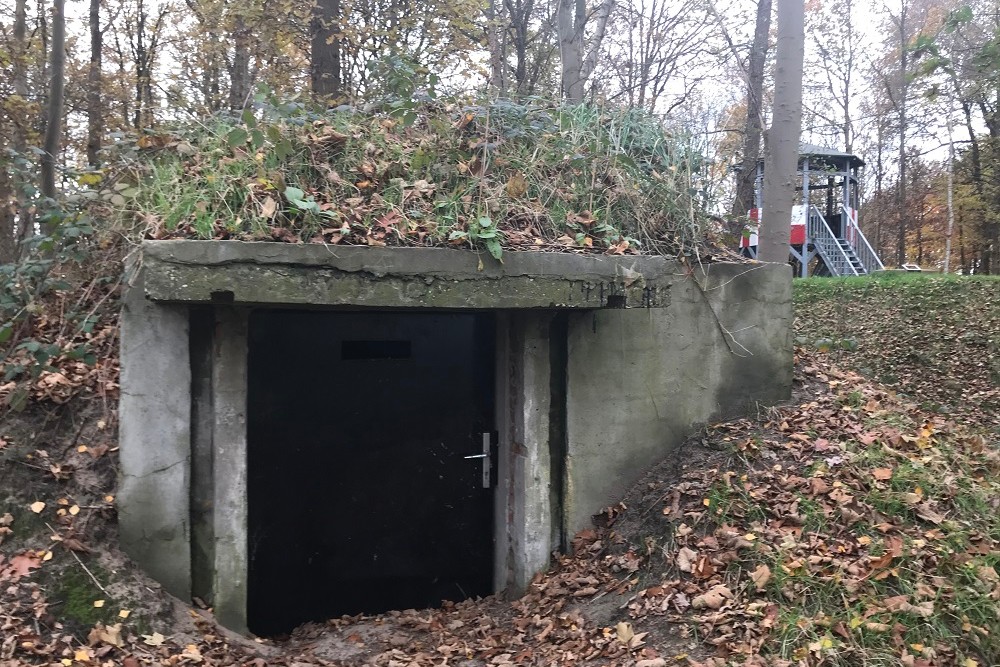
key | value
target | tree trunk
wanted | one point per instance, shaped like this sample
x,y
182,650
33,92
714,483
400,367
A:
x,y
25,219
139,51
570,14
53,124
520,15
239,75
578,61
903,90
495,45
783,145
95,112
325,47
8,216
755,94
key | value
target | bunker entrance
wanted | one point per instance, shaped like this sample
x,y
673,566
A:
x,y
362,496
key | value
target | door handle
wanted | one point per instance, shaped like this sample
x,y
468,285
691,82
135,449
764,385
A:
x,y
486,458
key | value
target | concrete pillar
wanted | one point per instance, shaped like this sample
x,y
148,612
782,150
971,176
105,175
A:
x,y
528,485
155,438
202,325
229,439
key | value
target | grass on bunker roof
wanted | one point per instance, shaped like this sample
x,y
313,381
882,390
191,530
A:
x,y
492,176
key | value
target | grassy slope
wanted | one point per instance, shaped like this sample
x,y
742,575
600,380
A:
x,y
932,338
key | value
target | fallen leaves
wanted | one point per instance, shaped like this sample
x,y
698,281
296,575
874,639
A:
x,y
154,639
713,598
19,565
761,576
933,338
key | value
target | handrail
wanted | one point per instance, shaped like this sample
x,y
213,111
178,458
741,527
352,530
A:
x,y
866,254
827,245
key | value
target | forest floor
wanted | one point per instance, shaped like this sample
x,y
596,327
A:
x,y
857,524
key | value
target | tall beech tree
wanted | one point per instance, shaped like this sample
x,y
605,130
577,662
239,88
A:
x,y
783,143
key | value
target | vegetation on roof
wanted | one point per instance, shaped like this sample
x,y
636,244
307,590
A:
x,y
490,176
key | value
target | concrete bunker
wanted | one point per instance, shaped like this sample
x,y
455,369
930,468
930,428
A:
x,y
365,429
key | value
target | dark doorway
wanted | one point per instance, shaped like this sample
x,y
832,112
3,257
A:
x,y
361,498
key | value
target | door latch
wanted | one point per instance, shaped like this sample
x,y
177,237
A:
x,y
487,459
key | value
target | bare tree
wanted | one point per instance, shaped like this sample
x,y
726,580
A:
x,y
144,34
496,46
578,53
832,63
651,46
783,143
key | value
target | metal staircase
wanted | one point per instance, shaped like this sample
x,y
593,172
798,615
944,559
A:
x,y
850,255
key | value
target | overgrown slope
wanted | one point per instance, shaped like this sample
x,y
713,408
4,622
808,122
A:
x,y
495,175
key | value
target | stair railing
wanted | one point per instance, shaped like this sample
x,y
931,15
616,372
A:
x,y
862,248
828,246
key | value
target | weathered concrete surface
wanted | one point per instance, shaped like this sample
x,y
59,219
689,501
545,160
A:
x,y
155,431
229,438
202,332
279,273
583,408
640,380
530,525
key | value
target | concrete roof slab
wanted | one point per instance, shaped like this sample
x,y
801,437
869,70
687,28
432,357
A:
x,y
351,276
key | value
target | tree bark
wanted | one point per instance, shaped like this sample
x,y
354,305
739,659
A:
x,y
53,124
239,75
570,14
495,44
8,216
754,126
325,48
578,61
783,145
95,112
25,220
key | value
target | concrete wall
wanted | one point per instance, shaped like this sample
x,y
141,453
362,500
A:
x,y
155,435
640,380
588,397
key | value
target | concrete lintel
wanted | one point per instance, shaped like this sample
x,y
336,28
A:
x,y
316,275
155,434
229,437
